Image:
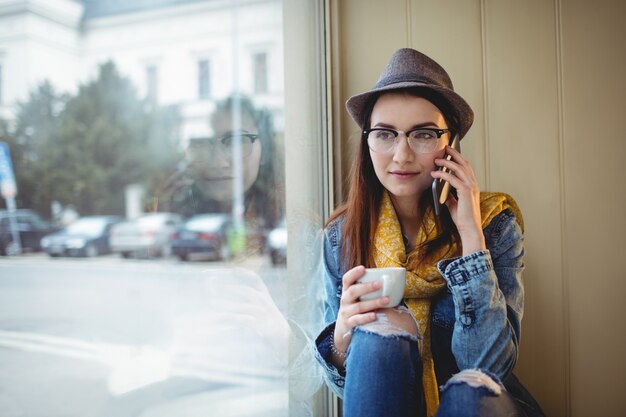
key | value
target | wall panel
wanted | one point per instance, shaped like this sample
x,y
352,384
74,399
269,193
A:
x,y
594,64
524,153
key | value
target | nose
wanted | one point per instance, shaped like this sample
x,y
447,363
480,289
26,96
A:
x,y
402,151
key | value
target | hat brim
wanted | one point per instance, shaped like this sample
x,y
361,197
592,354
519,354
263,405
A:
x,y
356,104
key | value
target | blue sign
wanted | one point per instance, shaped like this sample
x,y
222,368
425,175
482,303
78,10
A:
x,y
8,188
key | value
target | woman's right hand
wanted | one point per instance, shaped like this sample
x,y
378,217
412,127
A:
x,y
352,312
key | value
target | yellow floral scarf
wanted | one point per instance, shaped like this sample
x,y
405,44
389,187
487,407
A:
x,y
424,282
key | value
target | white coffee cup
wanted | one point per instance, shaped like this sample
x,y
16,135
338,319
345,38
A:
x,y
393,283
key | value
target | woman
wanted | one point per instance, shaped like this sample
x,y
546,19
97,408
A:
x,y
459,323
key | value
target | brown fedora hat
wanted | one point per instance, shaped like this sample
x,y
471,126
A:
x,y
409,68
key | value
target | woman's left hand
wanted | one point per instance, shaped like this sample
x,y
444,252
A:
x,y
465,209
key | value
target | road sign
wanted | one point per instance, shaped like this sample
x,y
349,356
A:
x,y
8,188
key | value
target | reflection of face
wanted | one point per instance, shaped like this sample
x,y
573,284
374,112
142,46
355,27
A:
x,y
405,174
212,168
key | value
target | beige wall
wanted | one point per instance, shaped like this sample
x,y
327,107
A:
x,y
546,81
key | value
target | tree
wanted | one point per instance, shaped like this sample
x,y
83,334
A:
x,y
32,143
85,149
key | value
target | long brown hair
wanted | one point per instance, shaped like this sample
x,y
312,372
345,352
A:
x,y
362,206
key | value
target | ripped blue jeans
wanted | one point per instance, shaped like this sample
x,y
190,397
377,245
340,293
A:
x,y
384,374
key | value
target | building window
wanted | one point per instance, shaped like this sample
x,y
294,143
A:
x,y
259,62
204,79
152,82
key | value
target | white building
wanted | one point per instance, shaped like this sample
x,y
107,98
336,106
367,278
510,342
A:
x,y
185,52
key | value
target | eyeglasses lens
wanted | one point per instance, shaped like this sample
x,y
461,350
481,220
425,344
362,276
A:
x,y
206,148
420,140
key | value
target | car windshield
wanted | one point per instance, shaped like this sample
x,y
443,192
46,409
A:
x,y
87,227
204,223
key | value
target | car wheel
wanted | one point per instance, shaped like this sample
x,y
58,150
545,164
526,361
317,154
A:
x,y
183,256
12,249
91,251
126,255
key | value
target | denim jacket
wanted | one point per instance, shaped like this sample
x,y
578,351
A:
x,y
475,321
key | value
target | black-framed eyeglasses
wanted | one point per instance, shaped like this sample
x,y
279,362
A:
x,y
420,140
225,144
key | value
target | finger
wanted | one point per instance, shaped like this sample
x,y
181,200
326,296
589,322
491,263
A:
x,y
352,275
454,181
463,172
456,155
360,319
458,158
363,307
357,290
361,288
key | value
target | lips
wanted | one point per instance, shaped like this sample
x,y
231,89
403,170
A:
x,y
404,174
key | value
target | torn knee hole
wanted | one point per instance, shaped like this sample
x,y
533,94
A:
x,y
475,378
385,325
400,318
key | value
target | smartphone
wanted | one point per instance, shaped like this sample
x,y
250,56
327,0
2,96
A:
x,y
442,188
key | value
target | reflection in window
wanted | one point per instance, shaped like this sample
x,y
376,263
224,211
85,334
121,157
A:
x,y
259,62
253,195
204,79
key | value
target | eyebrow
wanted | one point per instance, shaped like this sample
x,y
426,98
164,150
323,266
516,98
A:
x,y
417,126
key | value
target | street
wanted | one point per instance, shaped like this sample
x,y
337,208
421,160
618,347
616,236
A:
x,y
115,337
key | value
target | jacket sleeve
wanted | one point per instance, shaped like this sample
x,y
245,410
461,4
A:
x,y
488,296
334,377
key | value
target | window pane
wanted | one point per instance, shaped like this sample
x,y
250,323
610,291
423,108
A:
x,y
155,283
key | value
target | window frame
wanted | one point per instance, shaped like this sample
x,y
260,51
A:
x,y
307,58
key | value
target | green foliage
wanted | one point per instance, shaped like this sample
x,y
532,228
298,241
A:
x,y
86,148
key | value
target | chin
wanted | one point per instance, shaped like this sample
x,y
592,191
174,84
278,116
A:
x,y
403,195
406,192
224,191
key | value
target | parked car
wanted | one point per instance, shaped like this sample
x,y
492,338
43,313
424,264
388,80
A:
x,y
147,235
31,228
203,234
87,236
277,243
